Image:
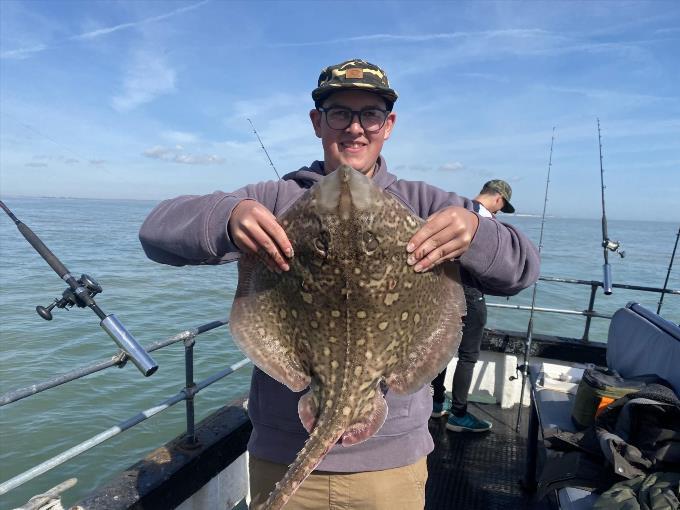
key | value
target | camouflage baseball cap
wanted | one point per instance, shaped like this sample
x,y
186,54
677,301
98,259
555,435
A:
x,y
505,191
354,74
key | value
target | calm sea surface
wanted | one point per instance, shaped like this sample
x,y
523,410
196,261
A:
x,y
99,237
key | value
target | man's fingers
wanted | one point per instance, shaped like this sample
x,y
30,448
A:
x,y
250,245
271,237
268,261
431,227
438,255
449,251
280,237
244,242
429,245
255,230
267,247
446,234
439,232
252,239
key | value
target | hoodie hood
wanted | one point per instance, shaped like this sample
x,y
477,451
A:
x,y
307,176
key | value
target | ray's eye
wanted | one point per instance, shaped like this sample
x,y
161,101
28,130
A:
x,y
370,242
321,243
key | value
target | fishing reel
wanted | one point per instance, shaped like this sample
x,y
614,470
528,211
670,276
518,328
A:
x,y
613,246
81,293
69,298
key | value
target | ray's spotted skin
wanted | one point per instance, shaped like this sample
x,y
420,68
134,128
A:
x,y
350,314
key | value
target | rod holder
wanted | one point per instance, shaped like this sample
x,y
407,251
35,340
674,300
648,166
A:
x,y
129,345
607,281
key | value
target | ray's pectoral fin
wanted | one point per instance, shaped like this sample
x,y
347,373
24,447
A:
x,y
281,365
430,350
369,424
259,330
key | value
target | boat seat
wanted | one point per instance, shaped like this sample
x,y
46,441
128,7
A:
x,y
639,342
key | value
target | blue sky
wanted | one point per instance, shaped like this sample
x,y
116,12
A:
x,y
150,99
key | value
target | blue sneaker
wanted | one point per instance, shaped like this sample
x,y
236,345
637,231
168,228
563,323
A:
x,y
467,423
438,410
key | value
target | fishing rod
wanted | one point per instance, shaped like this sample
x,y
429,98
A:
x,y
607,244
264,149
81,293
668,274
524,368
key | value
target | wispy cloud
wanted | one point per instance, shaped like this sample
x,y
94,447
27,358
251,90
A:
x,y
40,161
23,52
613,95
178,155
485,45
417,38
455,166
424,167
123,26
669,30
519,41
26,52
413,168
148,76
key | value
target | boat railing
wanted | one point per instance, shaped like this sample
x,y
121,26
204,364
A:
x,y
191,388
589,312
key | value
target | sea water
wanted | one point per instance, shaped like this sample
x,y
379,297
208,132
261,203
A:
x,y
99,237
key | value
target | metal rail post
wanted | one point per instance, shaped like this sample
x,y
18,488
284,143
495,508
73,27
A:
x,y
591,306
190,390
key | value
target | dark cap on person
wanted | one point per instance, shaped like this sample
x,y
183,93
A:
x,y
505,191
355,74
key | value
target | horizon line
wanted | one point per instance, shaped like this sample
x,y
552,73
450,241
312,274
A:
x,y
514,215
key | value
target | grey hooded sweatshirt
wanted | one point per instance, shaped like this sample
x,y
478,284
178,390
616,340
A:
x,y
193,230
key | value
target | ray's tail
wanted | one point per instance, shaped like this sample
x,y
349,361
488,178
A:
x,y
321,440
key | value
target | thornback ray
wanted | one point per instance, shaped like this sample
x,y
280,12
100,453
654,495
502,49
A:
x,y
350,316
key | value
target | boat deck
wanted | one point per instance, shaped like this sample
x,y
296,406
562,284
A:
x,y
470,471
467,471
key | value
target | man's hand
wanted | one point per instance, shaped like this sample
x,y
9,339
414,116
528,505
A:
x,y
255,230
446,235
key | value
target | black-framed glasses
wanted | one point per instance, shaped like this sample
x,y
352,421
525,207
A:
x,y
341,117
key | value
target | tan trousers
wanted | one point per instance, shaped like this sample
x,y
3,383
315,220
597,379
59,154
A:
x,y
400,488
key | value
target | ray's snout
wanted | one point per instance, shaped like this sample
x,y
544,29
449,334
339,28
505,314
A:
x,y
343,190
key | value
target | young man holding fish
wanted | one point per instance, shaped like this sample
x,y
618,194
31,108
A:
x,y
353,117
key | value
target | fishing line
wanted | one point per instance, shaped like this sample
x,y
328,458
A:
x,y
530,328
264,149
55,142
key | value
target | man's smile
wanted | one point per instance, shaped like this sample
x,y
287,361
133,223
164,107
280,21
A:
x,y
352,146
